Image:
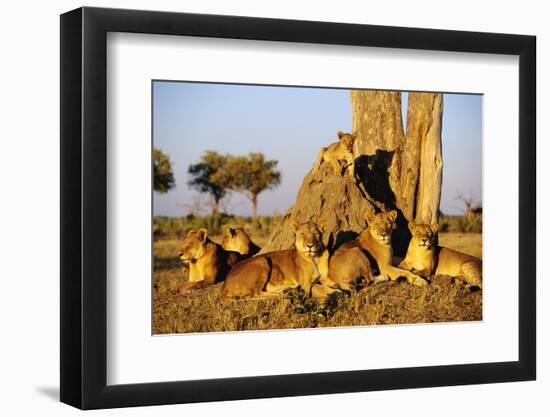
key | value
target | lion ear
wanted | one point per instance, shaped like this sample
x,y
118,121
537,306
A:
x,y
369,216
393,215
341,134
412,225
295,225
354,135
434,227
202,234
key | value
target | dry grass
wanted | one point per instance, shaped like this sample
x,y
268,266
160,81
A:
x,y
386,303
470,243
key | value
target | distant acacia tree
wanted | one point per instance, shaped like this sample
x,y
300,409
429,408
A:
x,y
249,175
163,177
203,174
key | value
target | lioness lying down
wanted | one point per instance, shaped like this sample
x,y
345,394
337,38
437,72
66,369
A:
x,y
425,258
376,241
348,269
352,263
235,239
271,273
208,261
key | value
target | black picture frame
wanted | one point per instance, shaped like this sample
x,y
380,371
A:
x,y
84,207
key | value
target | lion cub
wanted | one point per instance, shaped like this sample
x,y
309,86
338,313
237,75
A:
x,y
208,261
236,240
376,240
339,154
271,273
425,258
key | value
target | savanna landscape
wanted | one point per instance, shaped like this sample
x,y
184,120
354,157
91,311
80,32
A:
x,y
205,310
363,239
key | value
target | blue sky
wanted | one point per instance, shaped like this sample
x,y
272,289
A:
x,y
290,125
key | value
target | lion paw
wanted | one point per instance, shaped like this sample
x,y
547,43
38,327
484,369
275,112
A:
x,y
419,282
381,278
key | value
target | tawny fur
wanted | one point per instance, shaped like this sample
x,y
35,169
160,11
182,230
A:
x,y
339,155
271,273
376,240
427,259
208,262
235,239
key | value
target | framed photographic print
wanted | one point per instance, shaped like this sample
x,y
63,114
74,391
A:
x,y
329,196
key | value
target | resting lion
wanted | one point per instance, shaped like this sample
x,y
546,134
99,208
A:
x,y
236,240
348,268
425,258
270,273
339,154
208,261
376,241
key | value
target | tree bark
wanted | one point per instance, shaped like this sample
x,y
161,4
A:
x,y
376,117
431,167
421,160
377,120
254,200
215,206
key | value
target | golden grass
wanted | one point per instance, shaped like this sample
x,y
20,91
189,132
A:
x,y
205,310
470,243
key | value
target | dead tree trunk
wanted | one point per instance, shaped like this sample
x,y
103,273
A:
x,y
431,167
421,159
377,120
376,117
393,171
